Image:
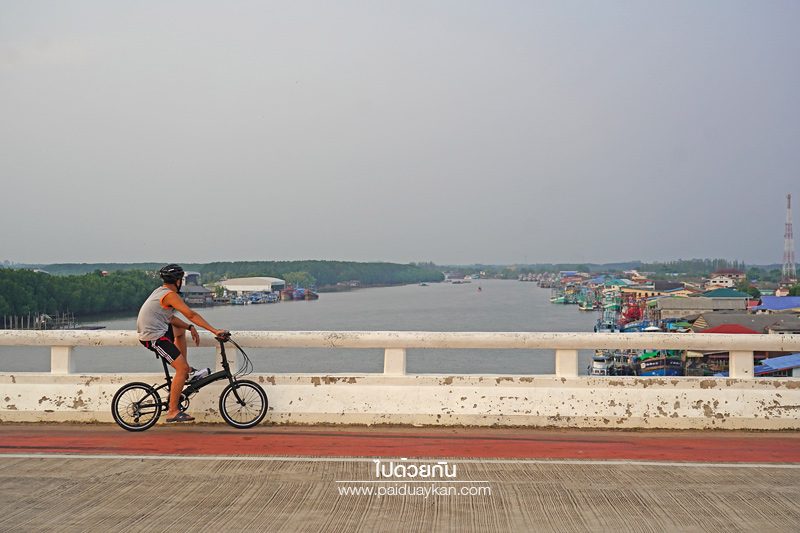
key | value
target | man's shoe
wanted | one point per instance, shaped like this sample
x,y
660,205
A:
x,y
180,417
196,374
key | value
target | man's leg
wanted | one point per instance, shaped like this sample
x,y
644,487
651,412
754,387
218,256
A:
x,y
181,371
180,342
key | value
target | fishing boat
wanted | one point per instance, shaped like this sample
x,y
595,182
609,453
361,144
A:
x,y
623,362
632,310
287,293
640,326
564,295
611,363
659,363
609,320
301,293
602,363
258,298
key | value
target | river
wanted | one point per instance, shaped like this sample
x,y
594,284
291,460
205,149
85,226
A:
x,y
498,306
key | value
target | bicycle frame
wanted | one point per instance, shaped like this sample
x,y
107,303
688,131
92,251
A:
x,y
243,403
195,386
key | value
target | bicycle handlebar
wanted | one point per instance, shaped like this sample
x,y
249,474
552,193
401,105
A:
x,y
246,366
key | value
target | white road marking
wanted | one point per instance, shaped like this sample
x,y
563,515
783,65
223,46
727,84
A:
x,y
455,460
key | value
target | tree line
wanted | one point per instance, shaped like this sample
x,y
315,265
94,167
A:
x,y
331,272
694,267
324,273
25,291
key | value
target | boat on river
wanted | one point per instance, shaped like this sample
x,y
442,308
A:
x,y
608,321
602,363
611,363
659,363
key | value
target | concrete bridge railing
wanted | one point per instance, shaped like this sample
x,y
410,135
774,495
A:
x,y
563,399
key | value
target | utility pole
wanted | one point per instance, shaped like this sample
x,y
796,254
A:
x,y
788,272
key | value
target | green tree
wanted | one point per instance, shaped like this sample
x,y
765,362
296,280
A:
x,y
299,279
753,291
754,274
81,290
26,292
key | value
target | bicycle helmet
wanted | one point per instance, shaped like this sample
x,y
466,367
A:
x,y
171,273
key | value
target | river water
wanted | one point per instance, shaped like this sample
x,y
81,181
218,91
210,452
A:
x,y
498,306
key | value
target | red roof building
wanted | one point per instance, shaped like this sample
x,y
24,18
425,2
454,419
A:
x,y
730,328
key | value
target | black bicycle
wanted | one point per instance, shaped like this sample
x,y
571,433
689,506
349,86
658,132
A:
x,y
242,404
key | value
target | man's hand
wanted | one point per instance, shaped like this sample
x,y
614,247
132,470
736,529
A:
x,y
195,335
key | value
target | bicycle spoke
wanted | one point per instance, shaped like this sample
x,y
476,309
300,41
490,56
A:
x,y
136,407
243,404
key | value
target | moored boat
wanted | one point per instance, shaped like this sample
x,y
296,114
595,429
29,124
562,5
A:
x,y
611,363
287,293
659,363
602,363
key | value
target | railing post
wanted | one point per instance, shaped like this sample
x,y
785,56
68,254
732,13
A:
x,y
740,365
394,361
61,360
567,363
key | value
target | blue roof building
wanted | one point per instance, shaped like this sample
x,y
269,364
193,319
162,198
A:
x,y
779,303
785,365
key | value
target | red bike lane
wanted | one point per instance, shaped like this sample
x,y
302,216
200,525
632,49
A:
x,y
376,441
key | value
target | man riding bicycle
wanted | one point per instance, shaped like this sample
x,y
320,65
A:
x,y
160,331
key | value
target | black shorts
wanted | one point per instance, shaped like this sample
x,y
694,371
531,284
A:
x,y
165,346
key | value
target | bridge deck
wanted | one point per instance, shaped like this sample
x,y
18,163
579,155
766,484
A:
x,y
98,477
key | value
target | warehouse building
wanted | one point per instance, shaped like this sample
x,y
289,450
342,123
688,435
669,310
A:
x,y
248,286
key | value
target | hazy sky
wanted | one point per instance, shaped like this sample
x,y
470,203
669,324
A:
x,y
446,131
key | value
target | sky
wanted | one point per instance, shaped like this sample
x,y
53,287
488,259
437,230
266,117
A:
x,y
456,132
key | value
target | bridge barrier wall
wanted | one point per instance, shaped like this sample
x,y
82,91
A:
x,y
561,400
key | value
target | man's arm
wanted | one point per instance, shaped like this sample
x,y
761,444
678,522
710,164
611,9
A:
x,y
178,323
176,302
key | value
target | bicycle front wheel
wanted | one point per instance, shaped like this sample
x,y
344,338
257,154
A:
x,y
136,407
243,404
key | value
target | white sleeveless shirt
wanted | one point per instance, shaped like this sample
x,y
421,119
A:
x,y
153,319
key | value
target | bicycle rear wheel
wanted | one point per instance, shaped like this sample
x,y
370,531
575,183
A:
x,y
136,407
243,404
